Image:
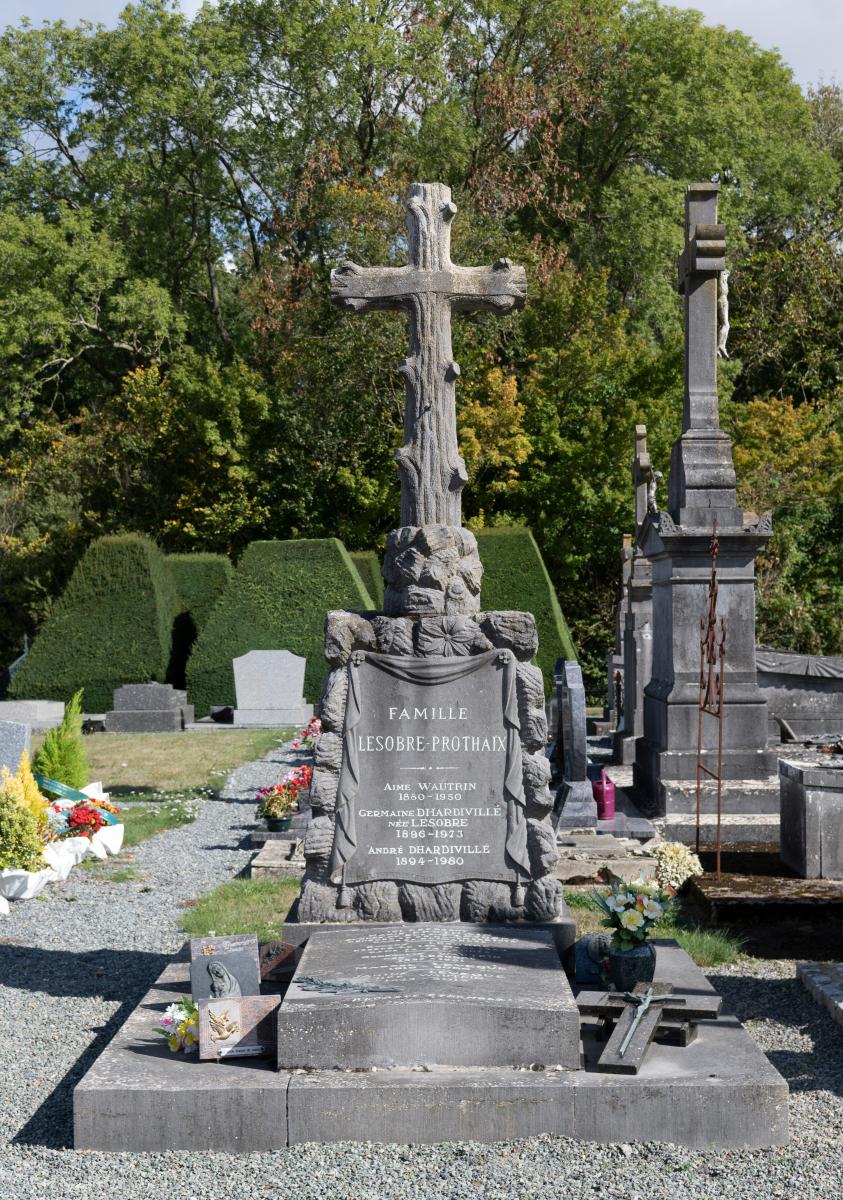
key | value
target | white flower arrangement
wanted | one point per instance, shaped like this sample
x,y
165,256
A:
x,y
631,910
676,864
180,1026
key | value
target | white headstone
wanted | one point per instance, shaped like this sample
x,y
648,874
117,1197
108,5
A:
x,y
270,688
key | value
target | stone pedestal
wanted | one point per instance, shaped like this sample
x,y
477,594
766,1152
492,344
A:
x,y
681,563
148,708
811,831
428,995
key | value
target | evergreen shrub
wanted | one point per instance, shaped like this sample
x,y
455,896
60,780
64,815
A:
x,y
62,756
369,566
20,845
200,580
277,600
515,577
113,625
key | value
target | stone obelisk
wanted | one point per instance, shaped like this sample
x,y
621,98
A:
x,y
677,544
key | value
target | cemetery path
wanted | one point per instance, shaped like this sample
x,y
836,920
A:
x,y
75,963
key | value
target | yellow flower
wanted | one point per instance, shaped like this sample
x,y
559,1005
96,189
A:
x,y
632,919
173,1042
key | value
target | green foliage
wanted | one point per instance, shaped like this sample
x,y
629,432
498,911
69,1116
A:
x,y
20,845
113,625
515,577
200,580
277,600
62,756
369,567
243,906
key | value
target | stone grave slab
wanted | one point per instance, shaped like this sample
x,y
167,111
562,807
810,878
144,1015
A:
x,y
38,714
824,981
270,689
14,739
427,994
719,1092
148,708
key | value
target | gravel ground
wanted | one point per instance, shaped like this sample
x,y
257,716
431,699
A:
x,y
74,964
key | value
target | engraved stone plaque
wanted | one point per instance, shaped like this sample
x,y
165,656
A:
x,y
431,785
221,967
243,1027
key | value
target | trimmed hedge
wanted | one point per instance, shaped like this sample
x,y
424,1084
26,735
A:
x,y
200,580
515,577
277,600
113,625
369,566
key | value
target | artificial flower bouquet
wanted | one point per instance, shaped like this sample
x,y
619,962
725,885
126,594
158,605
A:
x,y
180,1026
279,801
307,738
632,910
676,864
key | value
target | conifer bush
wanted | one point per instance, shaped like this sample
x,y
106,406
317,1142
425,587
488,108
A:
x,y
200,580
369,566
515,577
113,625
63,757
277,600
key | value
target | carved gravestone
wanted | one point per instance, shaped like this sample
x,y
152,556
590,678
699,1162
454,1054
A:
x,y
430,790
269,685
14,739
575,805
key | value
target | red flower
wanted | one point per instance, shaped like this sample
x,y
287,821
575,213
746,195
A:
x,y
85,819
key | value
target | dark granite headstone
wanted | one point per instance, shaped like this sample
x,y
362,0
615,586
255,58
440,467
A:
x,y
224,967
148,708
419,995
811,834
575,804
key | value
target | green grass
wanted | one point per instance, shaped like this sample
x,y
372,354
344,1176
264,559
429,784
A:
x,y
144,820
110,871
708,947
243,906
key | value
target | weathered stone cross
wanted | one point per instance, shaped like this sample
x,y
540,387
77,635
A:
x,y
429,288
642,473
703,258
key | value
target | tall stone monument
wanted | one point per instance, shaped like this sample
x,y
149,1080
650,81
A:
x,y
430,790
615,683
677,543
638,629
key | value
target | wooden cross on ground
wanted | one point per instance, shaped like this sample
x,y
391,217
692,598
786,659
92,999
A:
x,y
637,1016
429,289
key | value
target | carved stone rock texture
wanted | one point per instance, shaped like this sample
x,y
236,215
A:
x,y
536,776
333,700
377,901
541,845
431,569
328,751
318,903
485,901
544,899
394,634
318,839
531,711
515,631
449,637
437,902
323,790
344,632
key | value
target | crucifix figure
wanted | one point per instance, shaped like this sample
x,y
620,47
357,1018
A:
x,y
429,289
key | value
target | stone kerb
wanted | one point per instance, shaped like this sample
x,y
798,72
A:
x,y
530,893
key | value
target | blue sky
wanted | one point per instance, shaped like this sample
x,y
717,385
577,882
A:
x,y
809,33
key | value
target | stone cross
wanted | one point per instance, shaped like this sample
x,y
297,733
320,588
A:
x,y
429,289
642,473
703,258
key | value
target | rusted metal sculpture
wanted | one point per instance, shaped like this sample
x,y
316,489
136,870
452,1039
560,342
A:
x,y
712,671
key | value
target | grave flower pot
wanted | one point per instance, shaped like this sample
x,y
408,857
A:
x,y
77,846
636,964
278,824
23,885
61,858
110,837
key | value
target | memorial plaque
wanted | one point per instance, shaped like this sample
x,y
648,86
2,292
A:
x,y
223,967
242,1027
431,786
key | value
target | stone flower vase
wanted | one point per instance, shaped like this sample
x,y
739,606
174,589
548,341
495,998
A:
x,y
637,964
